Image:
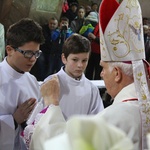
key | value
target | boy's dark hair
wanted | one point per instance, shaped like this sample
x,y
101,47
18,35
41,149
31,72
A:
x,y
73,4
64,19
53,18
24,31
75,44
94,4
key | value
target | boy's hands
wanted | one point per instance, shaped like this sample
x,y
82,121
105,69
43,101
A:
x,y
23,111
50,91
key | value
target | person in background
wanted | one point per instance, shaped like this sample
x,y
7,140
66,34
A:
x,y
126,75
65,7
71,13
72,1
94,7
93,68
58,37
78,95
77,23
2,42
89,24
44,65
147,46
145,28
19,90
87,10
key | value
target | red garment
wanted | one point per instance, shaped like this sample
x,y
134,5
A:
x,y
106,15
65,7
95,45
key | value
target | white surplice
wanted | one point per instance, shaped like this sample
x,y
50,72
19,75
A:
x,y
15,88
78,96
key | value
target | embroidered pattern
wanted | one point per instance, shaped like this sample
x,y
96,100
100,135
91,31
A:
x,y
124,34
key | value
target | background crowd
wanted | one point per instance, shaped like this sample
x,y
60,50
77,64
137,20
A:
x,y
74,19
65,53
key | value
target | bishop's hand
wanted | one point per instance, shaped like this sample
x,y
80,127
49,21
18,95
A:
x,y
50,91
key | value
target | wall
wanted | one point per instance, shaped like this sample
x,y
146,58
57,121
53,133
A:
x,y
39,10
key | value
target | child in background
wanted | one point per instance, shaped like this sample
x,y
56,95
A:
x,y
45,63
77,23
87,10
95,7
58,37
89,24
71,13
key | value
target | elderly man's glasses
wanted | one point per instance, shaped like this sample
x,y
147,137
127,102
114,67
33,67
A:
x,y
29,53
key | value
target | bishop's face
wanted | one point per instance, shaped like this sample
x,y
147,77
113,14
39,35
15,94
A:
x,y
108,75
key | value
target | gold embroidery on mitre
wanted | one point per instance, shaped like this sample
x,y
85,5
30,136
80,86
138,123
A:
x,y
124,34
132,3
120,39
102,45
103,48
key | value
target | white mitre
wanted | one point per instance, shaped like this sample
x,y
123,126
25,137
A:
x,y
122,39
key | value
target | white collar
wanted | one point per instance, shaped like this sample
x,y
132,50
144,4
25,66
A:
x,y
126,93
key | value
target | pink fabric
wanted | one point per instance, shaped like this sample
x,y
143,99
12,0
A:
x,y
28,131
44,110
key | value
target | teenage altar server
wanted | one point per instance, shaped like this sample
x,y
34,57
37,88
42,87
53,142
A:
x,y
19,90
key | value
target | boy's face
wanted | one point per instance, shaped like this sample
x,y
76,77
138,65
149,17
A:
x,y
74,8
53,24
95,7
88,8
17,60
75,64
63,23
